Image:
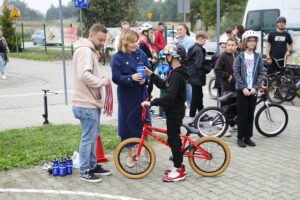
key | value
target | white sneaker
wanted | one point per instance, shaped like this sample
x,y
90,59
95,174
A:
x,y
191,119
187,112
227,134
3,77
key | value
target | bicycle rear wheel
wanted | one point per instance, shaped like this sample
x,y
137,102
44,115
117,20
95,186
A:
x,y
210,121
213,92
272,120
142,167
274,93
220,156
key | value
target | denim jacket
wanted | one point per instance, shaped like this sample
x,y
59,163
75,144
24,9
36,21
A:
x,y
240,75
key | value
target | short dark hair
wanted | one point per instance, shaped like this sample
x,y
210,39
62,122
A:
x,y
201,35
233,40
96,28
161,23
229,31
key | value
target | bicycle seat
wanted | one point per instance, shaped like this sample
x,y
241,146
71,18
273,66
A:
x,y
190,129
225,97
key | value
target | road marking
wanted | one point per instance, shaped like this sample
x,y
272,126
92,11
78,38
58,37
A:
x,y
65,192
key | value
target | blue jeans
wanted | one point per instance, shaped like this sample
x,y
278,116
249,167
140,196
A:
x,y
2,63
90,123
188,93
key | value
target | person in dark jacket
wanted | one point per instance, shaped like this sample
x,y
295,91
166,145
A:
x,y
248,71
173,104
197,78
3,54
224,70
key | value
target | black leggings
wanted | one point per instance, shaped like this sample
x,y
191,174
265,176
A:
x,y
174,140
197,100
245,111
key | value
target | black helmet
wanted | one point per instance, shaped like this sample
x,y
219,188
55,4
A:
x,y
177,51
281,19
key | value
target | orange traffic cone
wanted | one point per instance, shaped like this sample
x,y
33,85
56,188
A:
x,y
99,152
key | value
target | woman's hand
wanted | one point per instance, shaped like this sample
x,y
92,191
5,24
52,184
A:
x,y
141,82
148,71
246,92
146,104
253,91
136,77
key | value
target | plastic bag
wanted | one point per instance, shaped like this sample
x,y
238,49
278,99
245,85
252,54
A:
x,y
75,158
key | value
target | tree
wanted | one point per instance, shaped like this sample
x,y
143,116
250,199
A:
x,y
26,12
110,13
67,11
8,30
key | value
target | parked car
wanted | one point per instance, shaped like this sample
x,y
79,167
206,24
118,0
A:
x,y
38,37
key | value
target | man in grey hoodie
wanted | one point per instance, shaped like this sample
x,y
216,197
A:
x,y
87,99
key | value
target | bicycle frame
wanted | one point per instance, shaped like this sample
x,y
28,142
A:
x,y
184,148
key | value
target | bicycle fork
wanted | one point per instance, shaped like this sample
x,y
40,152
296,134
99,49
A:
x,y
268,113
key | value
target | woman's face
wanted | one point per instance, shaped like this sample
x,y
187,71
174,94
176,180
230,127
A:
x,y
1,33
181,31
132,47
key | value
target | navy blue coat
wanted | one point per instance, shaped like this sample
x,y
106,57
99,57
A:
x,y
130,93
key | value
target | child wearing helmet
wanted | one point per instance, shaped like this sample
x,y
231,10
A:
x,y
248,71
173,103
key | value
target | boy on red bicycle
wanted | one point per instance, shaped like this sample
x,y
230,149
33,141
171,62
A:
x,y
173,103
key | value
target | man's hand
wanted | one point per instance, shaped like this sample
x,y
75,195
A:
x,y
269,61
146,104
253,91
137,76
141,82
287,54
106,81
229,79
246,92
148,71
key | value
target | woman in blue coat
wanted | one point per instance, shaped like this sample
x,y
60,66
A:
x,y
132,89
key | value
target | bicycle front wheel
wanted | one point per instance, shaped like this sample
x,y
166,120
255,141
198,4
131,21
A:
x,y
210,121
139,168
220,156
271,120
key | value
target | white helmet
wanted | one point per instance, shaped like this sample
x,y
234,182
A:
x,y
248,34
223,40
145,27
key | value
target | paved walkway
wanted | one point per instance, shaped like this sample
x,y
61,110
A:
x,y
268,171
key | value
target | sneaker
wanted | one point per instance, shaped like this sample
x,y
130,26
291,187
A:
x,y
129,162
187,112
153,112
169,170
164,118
191,120
227,134
249,142
233,128
3,77
175,175
89,176
160,116
241,143
99,170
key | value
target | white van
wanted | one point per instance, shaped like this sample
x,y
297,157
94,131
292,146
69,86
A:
x,y
263,14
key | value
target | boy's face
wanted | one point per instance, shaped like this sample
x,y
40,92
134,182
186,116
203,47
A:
x,y
223,47
231,47
201,41
281,25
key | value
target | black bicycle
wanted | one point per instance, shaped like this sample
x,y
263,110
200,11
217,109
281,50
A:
x,y
270,120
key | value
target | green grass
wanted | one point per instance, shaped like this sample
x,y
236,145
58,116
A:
x,y
23,147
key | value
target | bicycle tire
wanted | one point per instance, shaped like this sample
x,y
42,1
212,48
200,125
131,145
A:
x,y
210,85
208,124
121,166
273,92
262,129
204,142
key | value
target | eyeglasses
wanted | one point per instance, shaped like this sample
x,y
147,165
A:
x,y
251,41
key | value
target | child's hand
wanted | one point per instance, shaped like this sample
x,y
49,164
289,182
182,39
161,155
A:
x,y
229,79
141,82
246,92
253,91
148,71
146,104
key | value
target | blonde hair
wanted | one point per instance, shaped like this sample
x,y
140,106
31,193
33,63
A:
x,y
126,37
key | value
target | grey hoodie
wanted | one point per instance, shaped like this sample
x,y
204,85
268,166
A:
x,y
240,75
88,86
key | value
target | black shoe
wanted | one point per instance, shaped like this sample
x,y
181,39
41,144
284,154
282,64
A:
x,y
99,170
241,142
249,142
89,176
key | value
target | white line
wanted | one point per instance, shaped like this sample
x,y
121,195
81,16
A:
x,y
31,94
65,192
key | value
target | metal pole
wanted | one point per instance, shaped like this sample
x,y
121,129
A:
x,y
17,48
184,12
63,51
22,26
218,38
45,38
81,33
72,50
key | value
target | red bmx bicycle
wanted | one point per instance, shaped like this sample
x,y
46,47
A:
x,y
208,156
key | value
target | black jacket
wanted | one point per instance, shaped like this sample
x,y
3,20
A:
x,y
147,51
175,91
196,57
224,69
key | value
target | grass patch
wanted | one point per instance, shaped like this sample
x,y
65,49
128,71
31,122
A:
x,y
28,146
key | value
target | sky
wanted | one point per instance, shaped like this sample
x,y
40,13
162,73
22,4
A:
x,y
42,5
